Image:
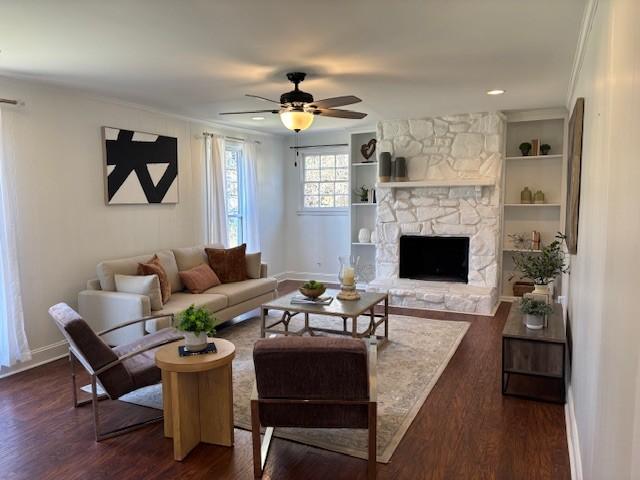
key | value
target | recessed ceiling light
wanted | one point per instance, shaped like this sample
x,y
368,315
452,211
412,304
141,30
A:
x,y
497,91
257,118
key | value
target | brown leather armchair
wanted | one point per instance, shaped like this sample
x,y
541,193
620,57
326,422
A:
x,y
313,382
119,370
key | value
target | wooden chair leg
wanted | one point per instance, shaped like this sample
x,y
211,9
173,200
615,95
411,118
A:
x,y
372,463
255,437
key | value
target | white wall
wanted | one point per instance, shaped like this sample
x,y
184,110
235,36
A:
x,y
603,285
313,242
64,227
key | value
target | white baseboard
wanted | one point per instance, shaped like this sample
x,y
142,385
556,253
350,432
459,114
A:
x,y
322,277
573,441
39,356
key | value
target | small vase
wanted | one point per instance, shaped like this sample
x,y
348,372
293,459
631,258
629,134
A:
x,y
538,197
401,169
534,322
364,235
374,237
384,167
195,342
526,196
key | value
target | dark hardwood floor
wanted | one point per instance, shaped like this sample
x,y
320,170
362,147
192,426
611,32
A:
x,y
465,430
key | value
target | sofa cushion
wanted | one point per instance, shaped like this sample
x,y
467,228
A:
x,y
154,267
182,300
229,264
148,285
200,278
129,266
239,292
189,257
254,264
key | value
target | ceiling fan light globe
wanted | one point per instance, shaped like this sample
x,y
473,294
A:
x,y
296,120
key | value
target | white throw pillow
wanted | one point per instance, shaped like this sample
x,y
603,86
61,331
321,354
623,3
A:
x,y
148,285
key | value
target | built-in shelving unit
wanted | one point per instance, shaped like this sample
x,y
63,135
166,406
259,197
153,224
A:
x,y
538,172
362,215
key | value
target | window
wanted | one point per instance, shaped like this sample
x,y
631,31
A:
x,y
233,185
325,183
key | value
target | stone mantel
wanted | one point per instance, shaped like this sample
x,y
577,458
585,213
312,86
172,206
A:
x,y
450,159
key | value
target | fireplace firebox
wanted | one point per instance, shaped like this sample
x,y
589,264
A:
x,y
444,259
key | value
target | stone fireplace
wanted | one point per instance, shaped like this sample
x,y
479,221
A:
x,y
453,152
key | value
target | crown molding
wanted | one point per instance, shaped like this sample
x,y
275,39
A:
x,y
585,30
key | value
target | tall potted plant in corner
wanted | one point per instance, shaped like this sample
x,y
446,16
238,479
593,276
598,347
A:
x,y
196,324
543,267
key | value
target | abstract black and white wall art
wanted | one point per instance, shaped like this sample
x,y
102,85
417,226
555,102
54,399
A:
x,y
140,168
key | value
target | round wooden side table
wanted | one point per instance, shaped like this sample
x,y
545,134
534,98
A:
x,y
197,396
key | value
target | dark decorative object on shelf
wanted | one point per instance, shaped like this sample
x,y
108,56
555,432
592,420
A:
x,y
526,196
362,193
573,178
525,148
545,148
368,149
384,167
521,287
401,169
140,168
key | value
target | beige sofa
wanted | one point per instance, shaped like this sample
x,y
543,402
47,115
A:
x,y
102,306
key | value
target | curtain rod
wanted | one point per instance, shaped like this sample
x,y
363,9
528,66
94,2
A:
x,y
9,101
208,134
319,146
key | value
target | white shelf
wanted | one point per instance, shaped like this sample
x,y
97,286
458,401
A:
x,y
363,164
361,204
458,182
534,157
520,250
532,205
364,244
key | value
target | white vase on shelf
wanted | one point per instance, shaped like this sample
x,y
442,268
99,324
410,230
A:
x,y
364,235
374,237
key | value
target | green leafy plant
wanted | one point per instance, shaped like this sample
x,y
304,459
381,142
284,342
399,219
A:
x,y
545,148
196,320
543,267
362,193
525,147
313,285
529,306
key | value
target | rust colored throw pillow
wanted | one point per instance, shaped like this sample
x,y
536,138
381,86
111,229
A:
x,y
229,264
200,278
154,267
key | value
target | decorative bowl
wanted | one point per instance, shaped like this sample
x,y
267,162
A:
x,y
312,293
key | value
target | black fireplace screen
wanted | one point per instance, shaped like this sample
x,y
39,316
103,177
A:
x,y
444,259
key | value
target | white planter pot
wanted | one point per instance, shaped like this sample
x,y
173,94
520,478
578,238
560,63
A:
x,y
364,235
195,343
541,289
534,322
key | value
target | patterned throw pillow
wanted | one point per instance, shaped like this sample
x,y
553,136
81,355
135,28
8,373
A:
x,y
229,264
200,278
154,267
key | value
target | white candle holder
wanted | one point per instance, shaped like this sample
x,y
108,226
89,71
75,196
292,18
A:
x,y
348,278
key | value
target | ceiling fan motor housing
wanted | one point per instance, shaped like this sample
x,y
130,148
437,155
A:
x,y
296,97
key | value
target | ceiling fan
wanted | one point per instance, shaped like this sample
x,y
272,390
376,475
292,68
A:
x,y
298,109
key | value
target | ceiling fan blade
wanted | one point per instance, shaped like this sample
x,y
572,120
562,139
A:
x,y
262,98
335,112
249,111
334,102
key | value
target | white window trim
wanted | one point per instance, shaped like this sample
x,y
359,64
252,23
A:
x,y
336,211
237,146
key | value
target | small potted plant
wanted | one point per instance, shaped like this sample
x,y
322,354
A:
x,y
525,148
312,289
362,193
545,148
543,267
534,312
196,324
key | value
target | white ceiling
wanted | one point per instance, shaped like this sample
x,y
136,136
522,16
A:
x,y
404,58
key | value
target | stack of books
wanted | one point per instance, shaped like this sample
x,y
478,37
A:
x,y
302,300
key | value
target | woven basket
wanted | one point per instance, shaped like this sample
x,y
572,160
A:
x,y
520,288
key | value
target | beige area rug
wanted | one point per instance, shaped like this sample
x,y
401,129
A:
x,y
409,365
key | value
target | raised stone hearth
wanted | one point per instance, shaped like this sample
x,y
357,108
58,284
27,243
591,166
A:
x,y
444,148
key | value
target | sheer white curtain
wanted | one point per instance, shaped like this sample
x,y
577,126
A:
x,y
249,194
216,210
13,340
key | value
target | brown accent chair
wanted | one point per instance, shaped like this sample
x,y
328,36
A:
x,y
118,370
313,382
